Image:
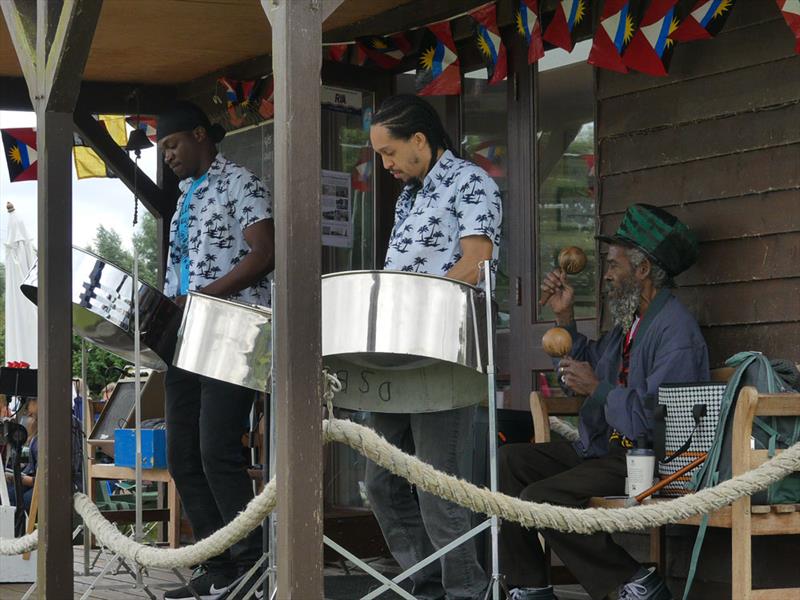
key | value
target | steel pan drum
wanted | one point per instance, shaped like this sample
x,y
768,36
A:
x,y
102,310
225,340
404,342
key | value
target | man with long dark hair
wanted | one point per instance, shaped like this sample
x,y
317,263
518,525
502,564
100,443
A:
x,y
447,221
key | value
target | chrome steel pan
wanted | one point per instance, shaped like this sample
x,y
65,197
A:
x,y
102,310
225,340
405,342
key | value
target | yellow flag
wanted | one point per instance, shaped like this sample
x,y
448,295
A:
x,y
87,163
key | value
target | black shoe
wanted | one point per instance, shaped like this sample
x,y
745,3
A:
x,y
649,587
207,586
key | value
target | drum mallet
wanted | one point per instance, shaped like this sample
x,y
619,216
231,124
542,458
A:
x,y
665,482
571,260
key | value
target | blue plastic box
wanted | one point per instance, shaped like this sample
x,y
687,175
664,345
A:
x,y
154,448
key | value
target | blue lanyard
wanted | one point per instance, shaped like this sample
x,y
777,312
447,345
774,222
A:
x,y
183,235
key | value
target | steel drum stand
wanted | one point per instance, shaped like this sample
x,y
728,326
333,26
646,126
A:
x,y
496,580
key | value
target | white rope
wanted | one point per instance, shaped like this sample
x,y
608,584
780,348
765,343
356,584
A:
x,y
425,477
21,545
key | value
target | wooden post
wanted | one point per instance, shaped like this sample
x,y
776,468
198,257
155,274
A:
x,y
52,41
297,62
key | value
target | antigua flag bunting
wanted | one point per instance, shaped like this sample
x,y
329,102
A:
x,y
361,175
146,124
438,71
336,52
706,20
386,52
613,35
651,46
490,44
19,145
266,106
489,156
568,14
791,14
530,27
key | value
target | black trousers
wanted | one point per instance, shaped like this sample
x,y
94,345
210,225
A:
x,y
205,422
554,473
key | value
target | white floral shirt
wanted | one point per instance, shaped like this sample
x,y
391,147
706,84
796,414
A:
x,y
456,200
227,201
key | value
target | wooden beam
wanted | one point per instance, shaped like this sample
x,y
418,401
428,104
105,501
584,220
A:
x,y
96,97
96,136
20,17
54,140
329,6
66,58
296,36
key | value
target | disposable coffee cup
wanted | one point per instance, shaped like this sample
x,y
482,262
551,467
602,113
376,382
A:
x,y
641,467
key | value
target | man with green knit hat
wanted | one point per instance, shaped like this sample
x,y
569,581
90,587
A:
x,y
654,341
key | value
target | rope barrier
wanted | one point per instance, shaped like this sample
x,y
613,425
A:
x,y
478,499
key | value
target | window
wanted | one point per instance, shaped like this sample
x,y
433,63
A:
x,y
565,204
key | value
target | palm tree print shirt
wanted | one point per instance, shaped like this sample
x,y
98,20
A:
x,y
456,200
219,209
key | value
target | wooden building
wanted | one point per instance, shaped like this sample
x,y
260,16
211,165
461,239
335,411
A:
x,y
717,142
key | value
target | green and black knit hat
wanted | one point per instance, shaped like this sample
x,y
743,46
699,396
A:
x,y
660,235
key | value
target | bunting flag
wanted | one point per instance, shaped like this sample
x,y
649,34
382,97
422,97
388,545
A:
x,y
651,46
336,52
489,155
438,72
20,150
386,52
87,162
613,35
791,14
490,44
146,124
568,14
266,107
529,26
361,175
706,20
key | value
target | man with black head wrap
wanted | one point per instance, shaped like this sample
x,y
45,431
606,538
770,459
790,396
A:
x,y
221,243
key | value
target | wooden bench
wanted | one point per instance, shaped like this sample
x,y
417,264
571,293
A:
x,y
743,519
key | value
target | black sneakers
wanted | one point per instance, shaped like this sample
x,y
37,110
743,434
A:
x,y
649,587
207,586
248,585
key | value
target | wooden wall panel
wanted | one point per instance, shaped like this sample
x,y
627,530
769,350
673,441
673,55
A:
x,y
717,143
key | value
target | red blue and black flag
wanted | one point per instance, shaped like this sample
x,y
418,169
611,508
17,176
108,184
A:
x,y
530,27
705,20
651,47
20,150
146,124
790,9
386,52
613,35
490,44
335,52
438,71
568,14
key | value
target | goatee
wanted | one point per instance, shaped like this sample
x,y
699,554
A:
x,y
623,301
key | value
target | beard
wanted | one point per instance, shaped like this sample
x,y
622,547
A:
x,y
623,301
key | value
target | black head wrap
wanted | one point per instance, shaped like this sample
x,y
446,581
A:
x,y
185,116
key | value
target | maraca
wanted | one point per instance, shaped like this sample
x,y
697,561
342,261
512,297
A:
x,y
557,342
571,260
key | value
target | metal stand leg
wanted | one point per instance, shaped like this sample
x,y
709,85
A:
x,y
272,523
491,386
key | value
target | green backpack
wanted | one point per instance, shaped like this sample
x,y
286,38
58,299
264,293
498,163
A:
x,y
770,433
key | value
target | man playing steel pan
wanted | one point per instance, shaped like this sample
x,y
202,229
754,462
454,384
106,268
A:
x,y
221,243
447,221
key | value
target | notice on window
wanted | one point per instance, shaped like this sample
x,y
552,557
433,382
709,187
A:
x,y
337,210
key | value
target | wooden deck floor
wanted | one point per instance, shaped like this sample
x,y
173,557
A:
x,y
115,585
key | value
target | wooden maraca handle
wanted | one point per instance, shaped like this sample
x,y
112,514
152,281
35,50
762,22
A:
x,y
571,260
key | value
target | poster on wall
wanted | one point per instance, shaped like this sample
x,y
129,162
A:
x,y
337,209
